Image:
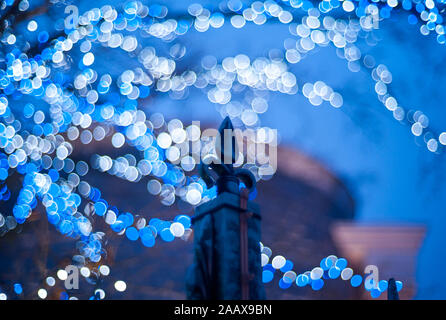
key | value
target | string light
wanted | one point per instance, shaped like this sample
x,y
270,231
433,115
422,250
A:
x,y
331,267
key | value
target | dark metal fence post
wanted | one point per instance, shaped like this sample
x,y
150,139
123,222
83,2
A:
x,y
392,292
227,261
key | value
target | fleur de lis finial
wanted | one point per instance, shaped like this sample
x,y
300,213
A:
x,y
227,178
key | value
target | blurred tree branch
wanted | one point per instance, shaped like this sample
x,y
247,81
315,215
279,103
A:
x,y
14,16
12,10
34,12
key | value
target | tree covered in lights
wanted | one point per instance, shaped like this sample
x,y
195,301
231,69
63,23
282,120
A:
x,y
73,74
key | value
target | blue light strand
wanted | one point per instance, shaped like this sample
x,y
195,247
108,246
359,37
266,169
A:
x,y
331,267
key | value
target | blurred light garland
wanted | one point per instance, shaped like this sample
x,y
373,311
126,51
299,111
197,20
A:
x,y
331,267
40,149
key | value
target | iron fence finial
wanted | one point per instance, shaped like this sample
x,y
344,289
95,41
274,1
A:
x,y
225,176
